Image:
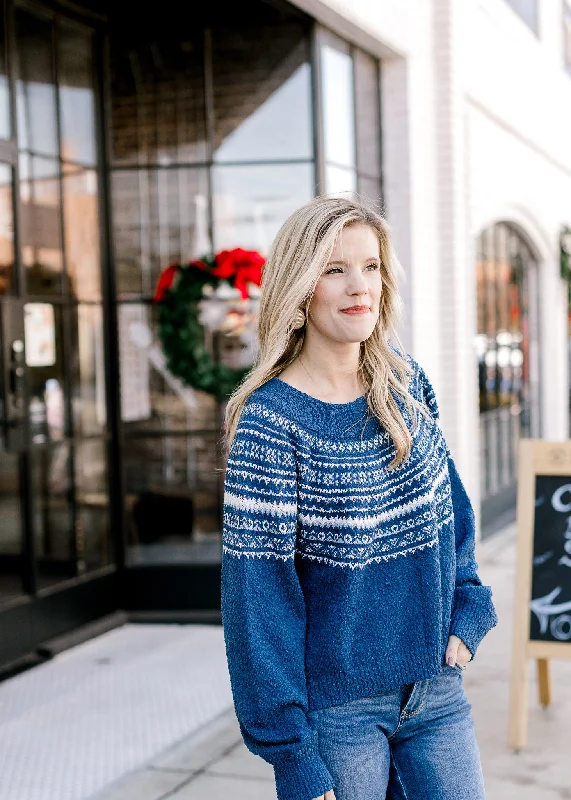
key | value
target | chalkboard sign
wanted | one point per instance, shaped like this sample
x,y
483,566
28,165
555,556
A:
x,y
551,570
542,597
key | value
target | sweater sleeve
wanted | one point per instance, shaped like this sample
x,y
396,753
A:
x,y
263,607
473,613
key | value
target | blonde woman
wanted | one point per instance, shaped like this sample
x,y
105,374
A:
x,y
351,602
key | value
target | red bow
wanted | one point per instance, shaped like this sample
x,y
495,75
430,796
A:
x,y
245,266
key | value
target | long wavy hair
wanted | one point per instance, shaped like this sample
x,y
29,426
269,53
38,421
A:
x,y
298,255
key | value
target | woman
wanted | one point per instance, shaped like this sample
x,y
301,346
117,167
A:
x,y
351,601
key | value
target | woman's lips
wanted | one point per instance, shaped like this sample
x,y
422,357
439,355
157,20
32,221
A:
x,y
356,310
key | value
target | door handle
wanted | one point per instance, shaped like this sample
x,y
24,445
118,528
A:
x,y
17,373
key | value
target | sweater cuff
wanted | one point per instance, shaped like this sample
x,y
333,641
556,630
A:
x,y
473,615
302,776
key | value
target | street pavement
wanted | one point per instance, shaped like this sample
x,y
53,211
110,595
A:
x,y
145,713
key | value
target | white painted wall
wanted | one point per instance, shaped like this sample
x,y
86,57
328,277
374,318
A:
x,y
476,129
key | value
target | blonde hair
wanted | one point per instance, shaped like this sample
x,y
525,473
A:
x,y
297,258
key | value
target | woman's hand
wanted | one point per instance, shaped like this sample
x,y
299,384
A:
x,y
327,796
457,651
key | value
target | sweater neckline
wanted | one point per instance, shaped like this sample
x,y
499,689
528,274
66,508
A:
x,y
327,419
322,403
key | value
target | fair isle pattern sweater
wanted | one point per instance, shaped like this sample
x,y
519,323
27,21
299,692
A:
x,y
340,579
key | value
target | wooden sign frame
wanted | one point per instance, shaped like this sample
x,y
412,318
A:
x,y
536,457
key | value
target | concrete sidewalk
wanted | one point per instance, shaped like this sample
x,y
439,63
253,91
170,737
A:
x,y
145,713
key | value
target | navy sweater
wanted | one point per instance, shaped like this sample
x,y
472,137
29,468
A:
x,y
339,579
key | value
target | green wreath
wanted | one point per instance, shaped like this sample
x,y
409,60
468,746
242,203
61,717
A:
x,y
179,290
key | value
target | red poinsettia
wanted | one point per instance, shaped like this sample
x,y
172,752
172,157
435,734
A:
x,y
243,266
166,280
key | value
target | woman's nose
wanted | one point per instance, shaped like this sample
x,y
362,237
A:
x,y
357,284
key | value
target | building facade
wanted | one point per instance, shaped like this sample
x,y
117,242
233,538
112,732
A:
x,y
127,144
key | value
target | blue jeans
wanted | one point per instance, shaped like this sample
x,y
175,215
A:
x,y
416,742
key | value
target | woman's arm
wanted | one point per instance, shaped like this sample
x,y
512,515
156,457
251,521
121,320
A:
x,y
473,612
263,608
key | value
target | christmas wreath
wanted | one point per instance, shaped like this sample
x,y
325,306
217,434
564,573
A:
x,y
202,298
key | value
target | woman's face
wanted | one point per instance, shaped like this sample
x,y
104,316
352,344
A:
x,y
345,303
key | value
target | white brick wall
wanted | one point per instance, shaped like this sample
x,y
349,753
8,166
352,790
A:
x,y
476,120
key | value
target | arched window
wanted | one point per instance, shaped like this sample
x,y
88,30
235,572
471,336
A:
x,y
507,349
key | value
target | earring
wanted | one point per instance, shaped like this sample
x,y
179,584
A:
x,y
299,319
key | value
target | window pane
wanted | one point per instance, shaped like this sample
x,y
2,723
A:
x,y
150,398
41,224
157,92
53,522
76,95
567,34
262,95
252,202
338,105
339,180
44,358
159,217
92,498
81,232
11,566
35,90
172,499
6,230
4,97
367,114
87,370
527,10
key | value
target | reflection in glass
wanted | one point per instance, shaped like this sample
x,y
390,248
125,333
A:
x,y
172,499
338,105
157,93
76,95
40,224
367,113
93,543
4,96
35,90
6,230
10,529
87,370
160,217
262,95
252,202
81,231
53,521
150,398
44,358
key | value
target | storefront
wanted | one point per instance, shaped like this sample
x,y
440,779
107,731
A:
x,y
128,143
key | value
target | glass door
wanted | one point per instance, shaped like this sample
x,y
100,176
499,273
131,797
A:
x,y
54,475
59,248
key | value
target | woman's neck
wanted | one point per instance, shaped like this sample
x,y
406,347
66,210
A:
x,y
327,374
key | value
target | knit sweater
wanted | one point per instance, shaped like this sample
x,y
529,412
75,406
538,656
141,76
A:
x,y
340,579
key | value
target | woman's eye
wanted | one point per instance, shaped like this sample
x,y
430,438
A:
x,y
374,266
333,269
